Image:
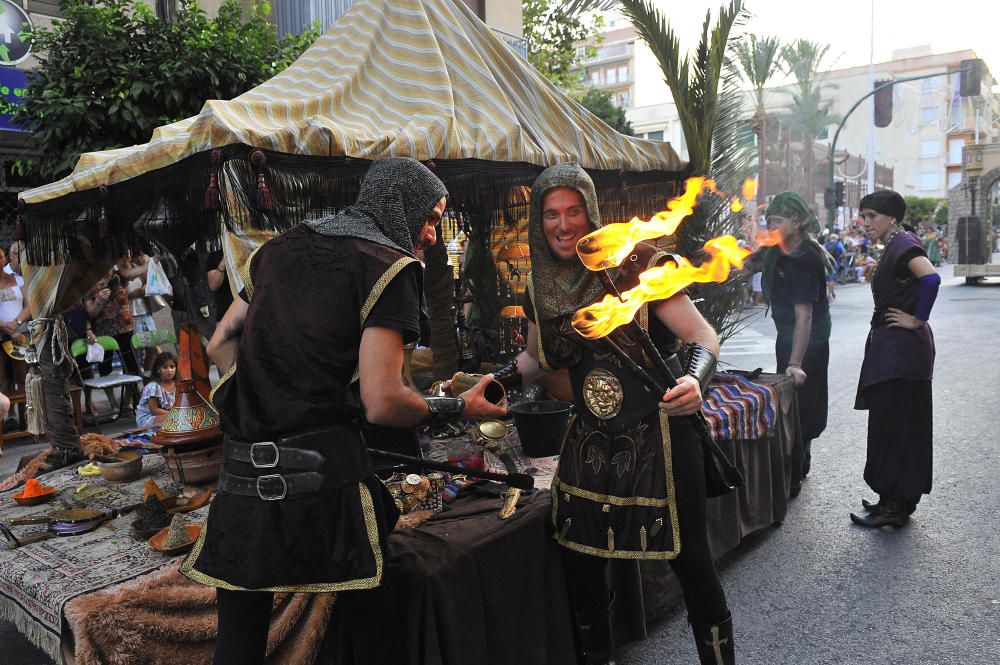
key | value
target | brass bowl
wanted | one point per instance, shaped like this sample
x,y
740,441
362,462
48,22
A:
x,y
122,467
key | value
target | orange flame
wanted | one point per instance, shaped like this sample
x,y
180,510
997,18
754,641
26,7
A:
x,y
601,318
768,237
608,246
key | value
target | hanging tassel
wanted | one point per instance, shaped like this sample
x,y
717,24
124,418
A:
x,y
102,219
18,222
259,162
213,201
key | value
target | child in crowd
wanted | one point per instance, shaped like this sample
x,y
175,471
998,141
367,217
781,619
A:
x,y
158,395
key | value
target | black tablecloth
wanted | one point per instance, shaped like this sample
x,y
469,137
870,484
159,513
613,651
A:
x,y
468,587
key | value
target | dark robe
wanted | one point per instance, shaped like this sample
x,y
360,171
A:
x,y
310,297
895,383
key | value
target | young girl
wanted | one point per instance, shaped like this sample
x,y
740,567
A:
x,y
158,395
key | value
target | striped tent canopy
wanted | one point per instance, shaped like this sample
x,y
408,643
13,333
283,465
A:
x,y
416,78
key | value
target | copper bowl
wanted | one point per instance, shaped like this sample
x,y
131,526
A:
x,y
122,467
158,540
47,494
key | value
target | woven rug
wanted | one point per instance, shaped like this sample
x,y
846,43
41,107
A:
x,y
736,408
37,580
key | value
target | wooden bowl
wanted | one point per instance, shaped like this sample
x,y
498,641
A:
x,y
123,467
46,495
157,541
183,504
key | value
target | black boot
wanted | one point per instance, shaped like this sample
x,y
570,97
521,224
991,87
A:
x,y
593,629
715,642
886,512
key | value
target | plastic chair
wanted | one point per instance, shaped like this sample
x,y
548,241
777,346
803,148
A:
x,y
109,382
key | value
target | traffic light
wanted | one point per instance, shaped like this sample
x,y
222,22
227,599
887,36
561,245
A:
x,y
883,103
838,193
970,76
828,198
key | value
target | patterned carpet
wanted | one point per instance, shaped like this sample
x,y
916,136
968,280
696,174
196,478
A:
x,y
37,580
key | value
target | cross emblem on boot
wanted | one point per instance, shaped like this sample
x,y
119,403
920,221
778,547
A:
x,y
716,645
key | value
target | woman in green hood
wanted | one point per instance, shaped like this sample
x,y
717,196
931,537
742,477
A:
x,y
795,274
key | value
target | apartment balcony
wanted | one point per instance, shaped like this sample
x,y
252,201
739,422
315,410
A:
x,y
609,53
519,44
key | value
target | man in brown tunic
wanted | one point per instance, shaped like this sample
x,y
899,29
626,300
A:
x,y
314,342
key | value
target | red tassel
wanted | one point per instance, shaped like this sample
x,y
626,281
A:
x,y
259,161
213,201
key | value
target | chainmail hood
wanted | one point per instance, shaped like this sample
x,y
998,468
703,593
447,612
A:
x,y
561,286
397,196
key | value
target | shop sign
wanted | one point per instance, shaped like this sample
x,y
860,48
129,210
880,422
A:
x,y
13,21
13,84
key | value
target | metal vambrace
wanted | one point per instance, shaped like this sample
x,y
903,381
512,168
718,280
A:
x,y
701,364
508,376
443,410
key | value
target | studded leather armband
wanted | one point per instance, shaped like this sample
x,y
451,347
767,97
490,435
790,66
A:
x,y
701,364
444,410
508,376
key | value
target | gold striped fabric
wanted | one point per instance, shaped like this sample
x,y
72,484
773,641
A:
x,y
415,78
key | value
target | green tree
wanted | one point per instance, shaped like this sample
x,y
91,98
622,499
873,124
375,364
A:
x,y
705,87
602,104
809,113
759,59
552,34
920,209
112,72
941,214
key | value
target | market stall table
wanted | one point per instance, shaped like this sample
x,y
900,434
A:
x,y
464,587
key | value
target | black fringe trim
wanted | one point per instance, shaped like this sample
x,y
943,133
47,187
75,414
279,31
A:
x,y
169,205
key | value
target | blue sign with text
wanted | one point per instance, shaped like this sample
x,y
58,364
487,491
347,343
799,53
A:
x,y
12,88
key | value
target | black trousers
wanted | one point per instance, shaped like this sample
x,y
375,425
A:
x,y
586,575
900,462
244,617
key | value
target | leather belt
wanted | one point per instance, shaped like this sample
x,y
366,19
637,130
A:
x,y
268,454
321,460
272,486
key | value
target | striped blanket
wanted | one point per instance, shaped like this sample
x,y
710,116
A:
x,y
737,408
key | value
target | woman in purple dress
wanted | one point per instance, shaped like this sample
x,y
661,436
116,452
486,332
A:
x,y
895,384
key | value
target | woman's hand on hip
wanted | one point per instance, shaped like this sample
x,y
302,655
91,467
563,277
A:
x,y
897,318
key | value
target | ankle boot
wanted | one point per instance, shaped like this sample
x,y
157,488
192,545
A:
x,y
715,642
593,630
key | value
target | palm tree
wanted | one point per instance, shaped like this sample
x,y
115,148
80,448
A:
x,y
759,59
705,86
809,114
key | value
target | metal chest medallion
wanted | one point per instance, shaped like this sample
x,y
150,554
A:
x,y
603,393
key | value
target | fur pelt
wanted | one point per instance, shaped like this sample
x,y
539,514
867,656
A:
x,y
164,619
36,464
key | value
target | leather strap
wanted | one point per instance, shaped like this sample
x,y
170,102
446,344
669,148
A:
x,y
268,454
273,486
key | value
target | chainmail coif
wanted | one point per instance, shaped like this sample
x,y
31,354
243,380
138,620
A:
x,y
397,196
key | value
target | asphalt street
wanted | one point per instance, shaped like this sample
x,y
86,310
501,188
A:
x,y
818,590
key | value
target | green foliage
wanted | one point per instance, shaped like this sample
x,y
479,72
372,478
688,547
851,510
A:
x,y
941,214
552,33
112,72
601,103
921,209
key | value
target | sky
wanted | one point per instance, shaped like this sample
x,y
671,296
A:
x,y
948,25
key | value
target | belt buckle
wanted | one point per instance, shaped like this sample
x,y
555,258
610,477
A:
x,y
264,465
284,487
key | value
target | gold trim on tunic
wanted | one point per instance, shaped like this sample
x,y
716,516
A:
x,y
538,328
225,377
377,290
244,271
670,503
371,526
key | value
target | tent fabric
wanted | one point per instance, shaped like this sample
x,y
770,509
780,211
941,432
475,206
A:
x,y
416,78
